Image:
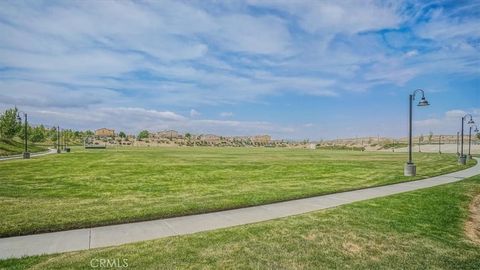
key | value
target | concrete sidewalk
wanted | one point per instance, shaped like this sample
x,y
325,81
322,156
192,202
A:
x,y
50,151
82,239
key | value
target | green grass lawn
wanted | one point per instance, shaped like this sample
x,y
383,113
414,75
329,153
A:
x,y
14,147
423,229
98,187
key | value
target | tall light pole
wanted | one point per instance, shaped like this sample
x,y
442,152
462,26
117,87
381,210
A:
x,y
419,143
410,168
58,140
463,159
63,139
470,140
458,141
439,144
26,154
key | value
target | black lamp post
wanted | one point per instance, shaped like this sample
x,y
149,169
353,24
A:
x,y
410,168
419,143
26,154
58,140
63,140
439,144
458,141
463,159
470,140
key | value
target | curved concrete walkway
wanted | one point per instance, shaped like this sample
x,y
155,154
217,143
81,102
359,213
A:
x,y
39,154
82,239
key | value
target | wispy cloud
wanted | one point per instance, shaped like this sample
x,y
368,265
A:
x,y
226,114
449,123
95,55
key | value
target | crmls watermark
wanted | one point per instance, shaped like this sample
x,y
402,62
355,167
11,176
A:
x,y
109,263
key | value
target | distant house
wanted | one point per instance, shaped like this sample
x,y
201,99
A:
x,y
261,139
105,132
210,138
168,134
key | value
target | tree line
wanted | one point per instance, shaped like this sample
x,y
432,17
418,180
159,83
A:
x,y
12,126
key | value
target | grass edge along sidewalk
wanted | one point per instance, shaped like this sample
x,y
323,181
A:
x,y
127,233
418,229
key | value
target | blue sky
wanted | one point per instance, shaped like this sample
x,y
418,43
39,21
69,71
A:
x,y
291,69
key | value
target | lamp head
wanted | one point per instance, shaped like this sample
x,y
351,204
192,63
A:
x,y
423,102
476,129
471,122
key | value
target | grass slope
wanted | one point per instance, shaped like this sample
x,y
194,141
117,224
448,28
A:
x,y
416,230
13,147
96,187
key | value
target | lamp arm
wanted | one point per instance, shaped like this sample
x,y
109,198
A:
x,y
416,91
465,116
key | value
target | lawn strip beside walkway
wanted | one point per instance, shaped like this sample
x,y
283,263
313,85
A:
x,y
82,239
38,154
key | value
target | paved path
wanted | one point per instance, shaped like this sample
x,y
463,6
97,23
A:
x,y
50,151
82,239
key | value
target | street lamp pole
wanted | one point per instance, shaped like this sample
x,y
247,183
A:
x,y
439,144
470,140
26,154
410,168
458,138
463,159
58,140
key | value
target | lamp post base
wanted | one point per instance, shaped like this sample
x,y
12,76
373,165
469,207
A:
x,y
59,151
26,155
462,160
469,157
410,169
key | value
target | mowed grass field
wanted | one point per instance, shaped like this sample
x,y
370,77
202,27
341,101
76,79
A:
x,y
99,187
424,229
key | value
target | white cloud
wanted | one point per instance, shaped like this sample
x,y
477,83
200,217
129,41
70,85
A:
x,y
132,120
338,16
245,33
411,53
194,113
449,123
226,114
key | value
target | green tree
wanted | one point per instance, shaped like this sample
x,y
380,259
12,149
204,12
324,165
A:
x,y
38,134
10,125
122,134
143,135
21,133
